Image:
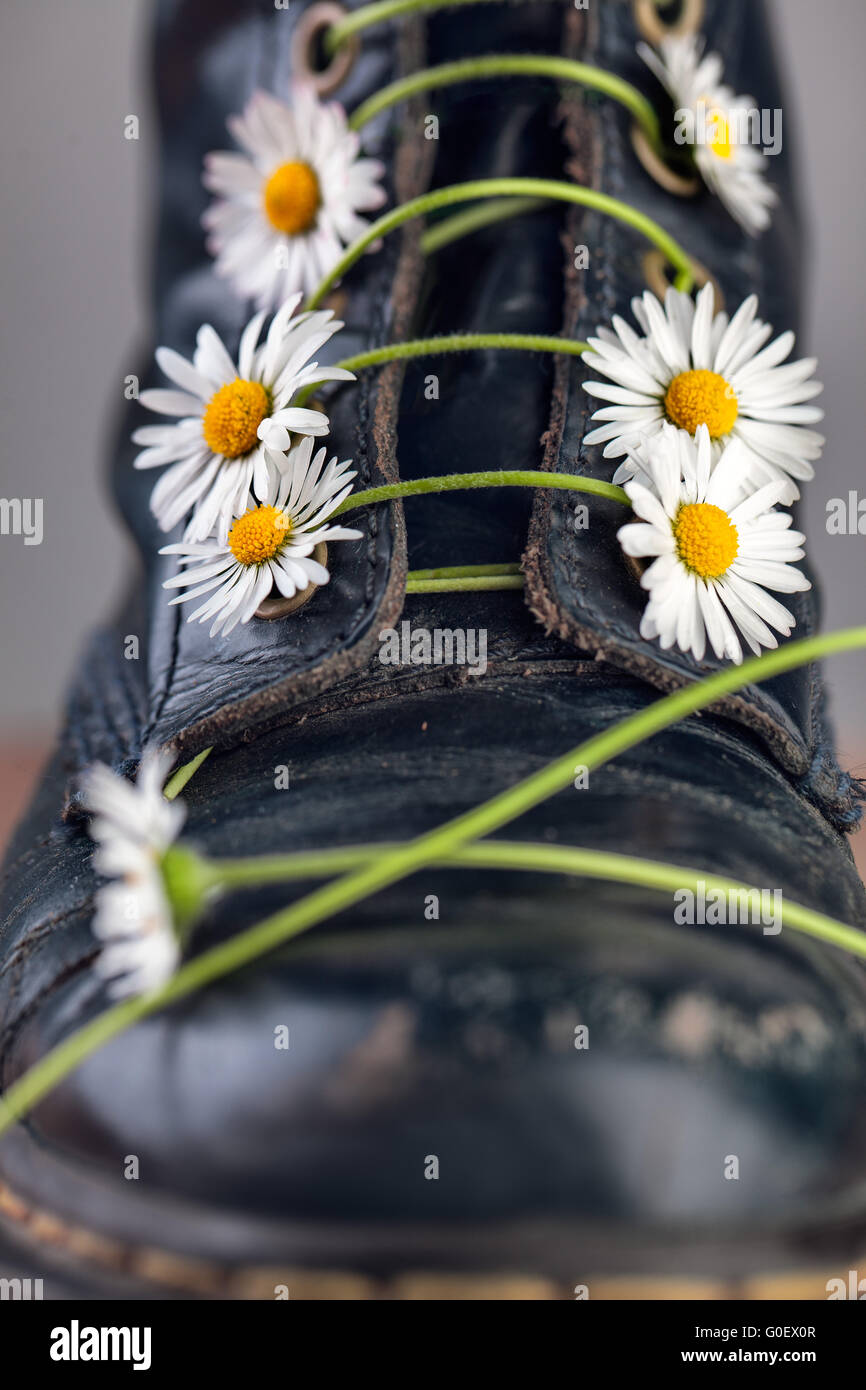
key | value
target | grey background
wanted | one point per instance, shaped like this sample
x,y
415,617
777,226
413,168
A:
x,y
76,221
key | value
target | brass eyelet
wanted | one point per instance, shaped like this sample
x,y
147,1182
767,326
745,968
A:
x,y
279,607
655,268
311,26
682,185
655,29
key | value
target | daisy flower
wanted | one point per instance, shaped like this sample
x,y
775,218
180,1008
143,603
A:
x,y
228,413
694,368
133,826
288,205
713,556
270,545
717,124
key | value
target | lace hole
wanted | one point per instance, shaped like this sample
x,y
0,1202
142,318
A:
x,y
654,28
655,269
279,607
682,185
309,58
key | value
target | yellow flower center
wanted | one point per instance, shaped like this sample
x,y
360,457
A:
x,y
706,539
719,135
258,536
292,198
233,416
701,398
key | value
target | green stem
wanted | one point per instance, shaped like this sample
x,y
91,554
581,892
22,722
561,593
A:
x,y
472,219
511,187
553,859
514,65
453,579
380,11
459,482
466,571
178,780
454,342
399,863
464,586
464,342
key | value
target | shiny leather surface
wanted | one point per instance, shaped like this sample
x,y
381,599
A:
x,y
455,1037
452,1037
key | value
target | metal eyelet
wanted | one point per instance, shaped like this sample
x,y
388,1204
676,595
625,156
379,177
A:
x,y
654,28
655,268
311,27
279,607
682,185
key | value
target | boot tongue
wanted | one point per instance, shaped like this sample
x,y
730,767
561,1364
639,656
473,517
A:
x,y
486,410
482,410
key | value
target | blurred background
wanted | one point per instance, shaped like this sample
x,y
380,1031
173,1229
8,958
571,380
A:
x,y
74,259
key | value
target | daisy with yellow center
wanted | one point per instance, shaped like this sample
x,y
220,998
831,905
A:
x,y
270,546
288,205
719,127
134,827
692,368
229,414
717,544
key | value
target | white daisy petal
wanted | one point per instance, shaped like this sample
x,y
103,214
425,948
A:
x,y
747,621
211,357
775,574
247,346
170,402
647,505
618,394
641,539
702,323
762,603
301,421
183,373
720,631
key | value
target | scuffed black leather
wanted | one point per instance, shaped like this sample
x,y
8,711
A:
x,y
451,1037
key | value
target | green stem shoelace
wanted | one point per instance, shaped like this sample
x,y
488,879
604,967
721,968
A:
x,y
507,198
459,842
511,187
514,65
381,10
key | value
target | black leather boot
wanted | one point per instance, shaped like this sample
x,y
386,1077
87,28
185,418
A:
x,y
499,1084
